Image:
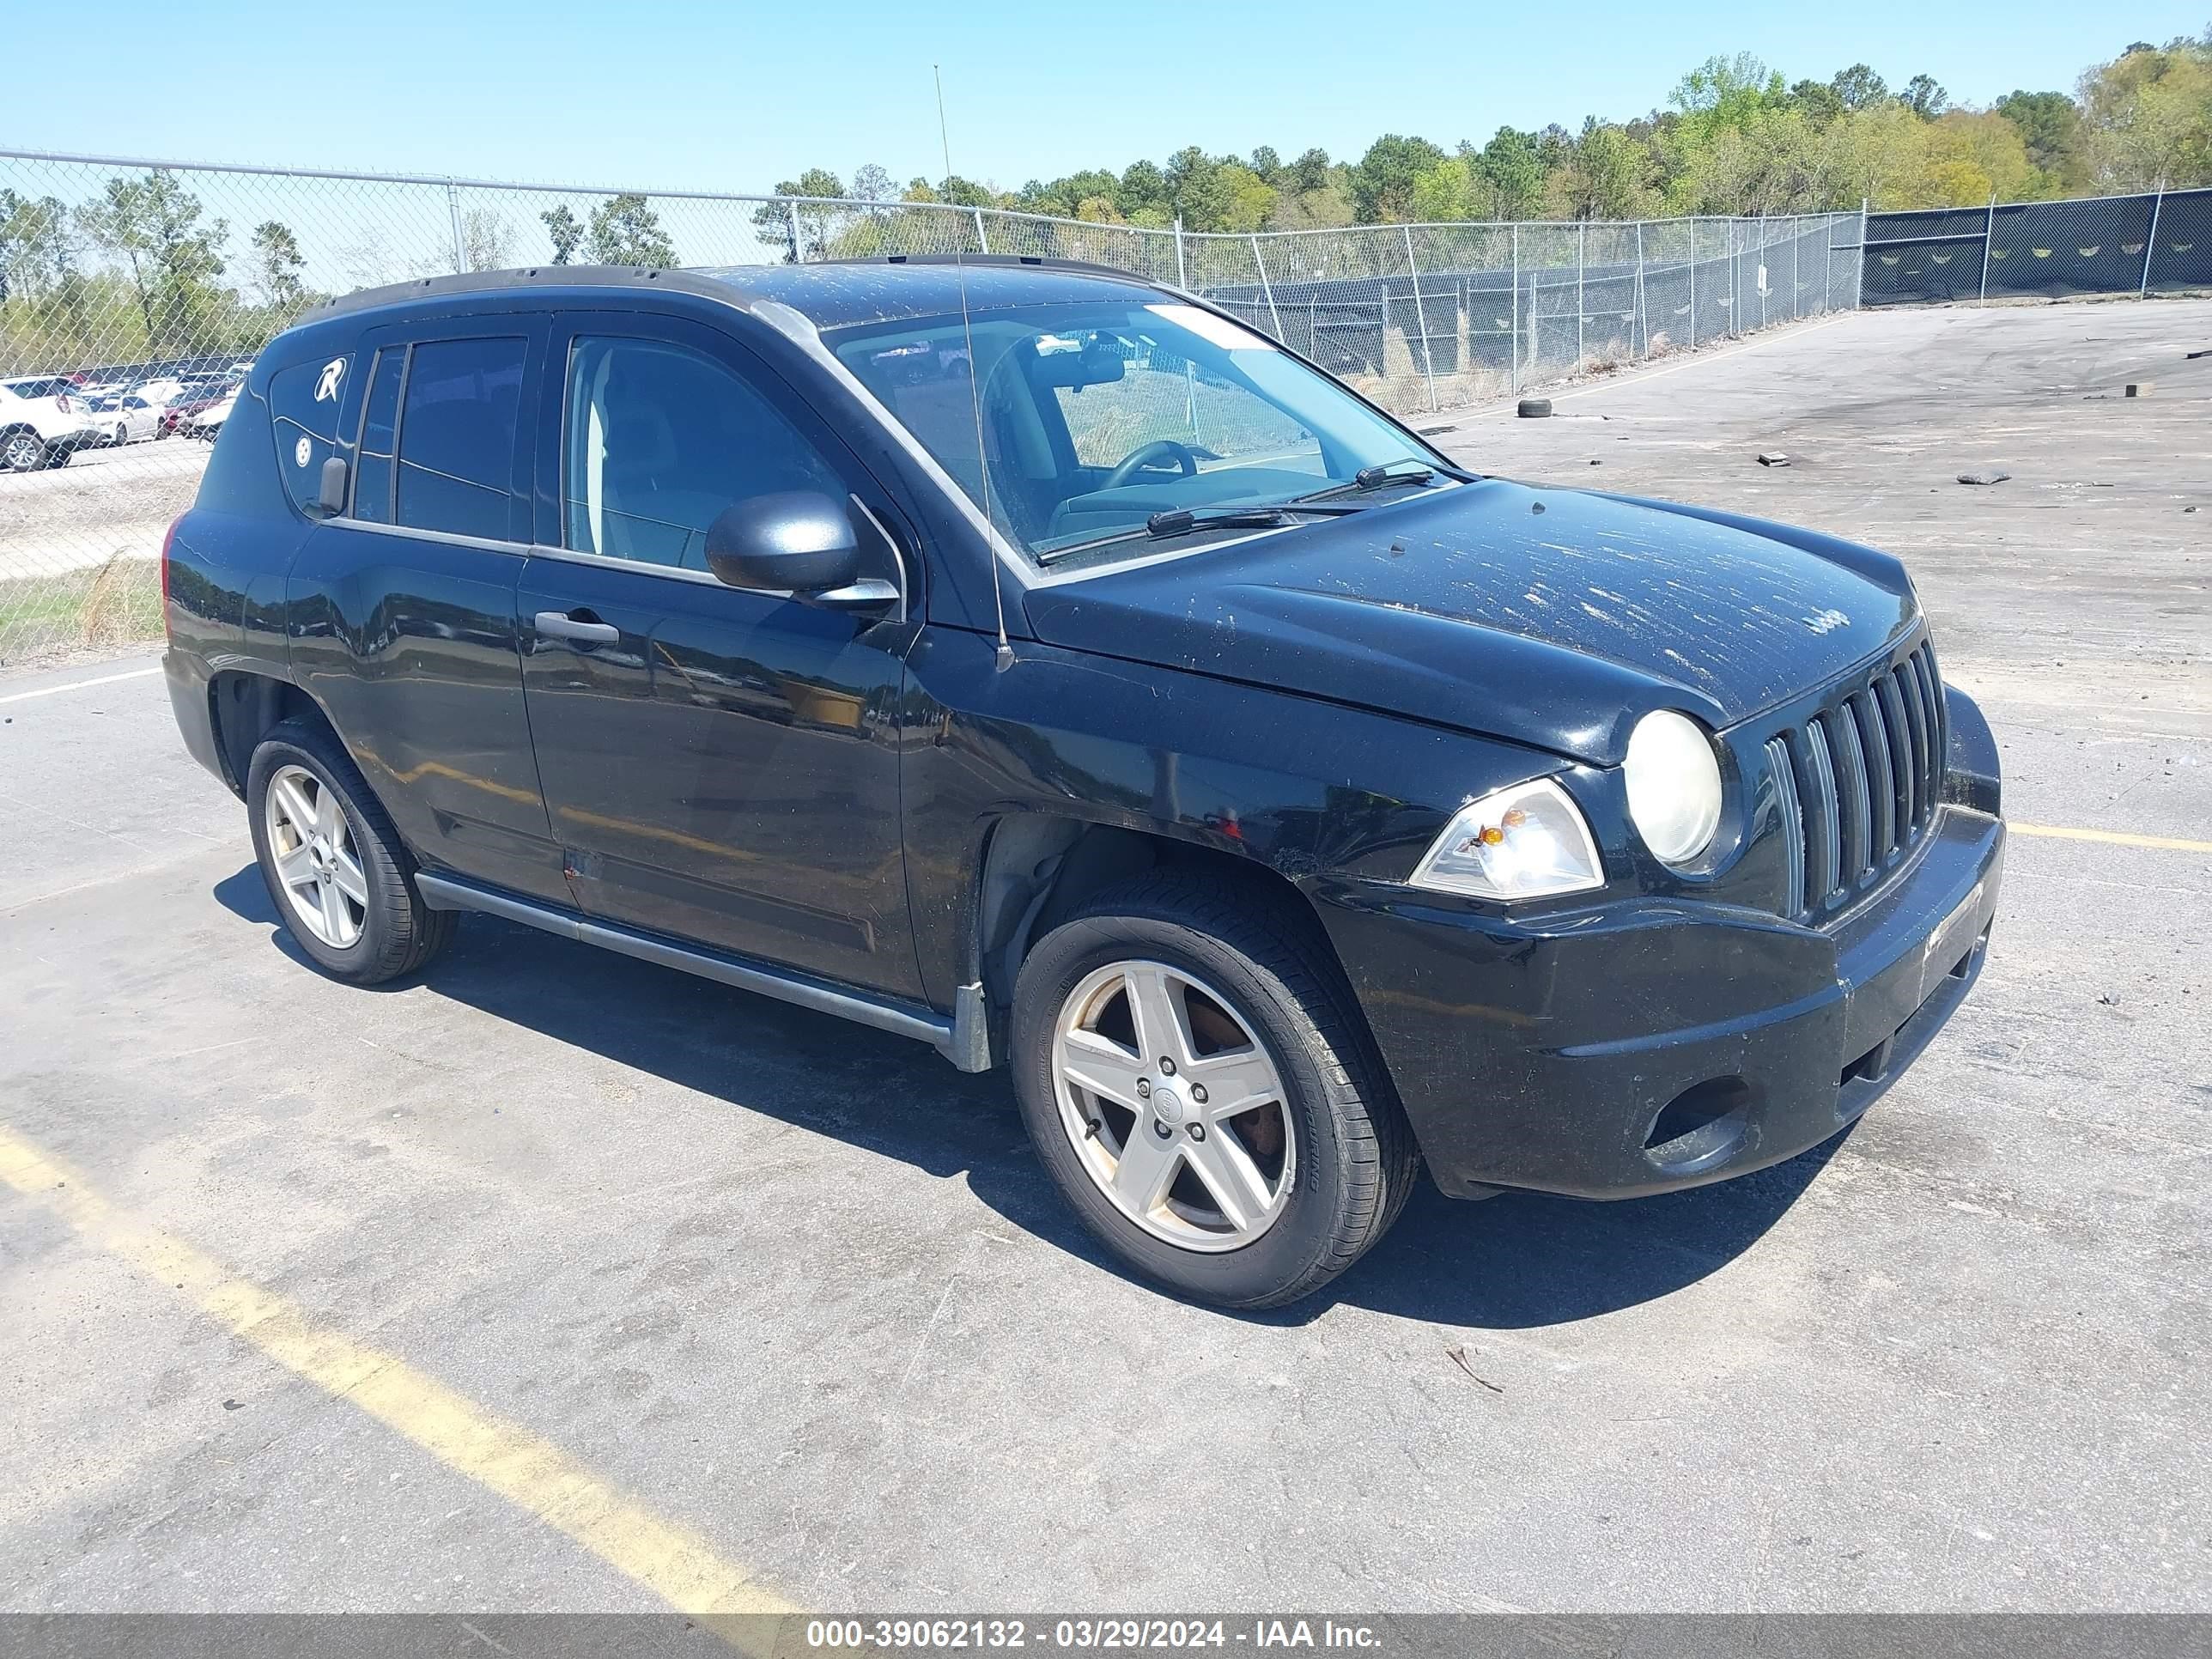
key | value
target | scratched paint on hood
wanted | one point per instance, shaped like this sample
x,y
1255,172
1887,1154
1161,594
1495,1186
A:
x,y
1470,607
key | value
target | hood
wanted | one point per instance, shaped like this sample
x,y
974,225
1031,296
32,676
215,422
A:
x,y
1555,618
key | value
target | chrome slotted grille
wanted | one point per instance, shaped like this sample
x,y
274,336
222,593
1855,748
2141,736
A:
x,y
1857,783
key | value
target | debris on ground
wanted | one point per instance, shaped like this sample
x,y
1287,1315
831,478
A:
x,y
1773,457
2140,388
1458,1357
2109,1001
2194,355
1989,477
1533,408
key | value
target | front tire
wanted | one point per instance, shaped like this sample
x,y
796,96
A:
x,y
342,881
1196,1079
21,452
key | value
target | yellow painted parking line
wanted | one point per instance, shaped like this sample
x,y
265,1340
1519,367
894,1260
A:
x,y
2116,838
533,1474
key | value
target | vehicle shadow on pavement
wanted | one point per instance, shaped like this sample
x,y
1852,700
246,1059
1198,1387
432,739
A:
x,y
1517,1262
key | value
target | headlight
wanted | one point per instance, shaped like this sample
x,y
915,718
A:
x,y
1674,784
1523,842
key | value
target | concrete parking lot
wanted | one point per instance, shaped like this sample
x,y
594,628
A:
x,y
560,1280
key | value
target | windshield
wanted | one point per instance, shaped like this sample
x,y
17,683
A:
x,y
1098,416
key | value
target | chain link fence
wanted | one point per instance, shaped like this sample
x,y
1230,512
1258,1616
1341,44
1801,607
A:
x,y
2159,243
133,296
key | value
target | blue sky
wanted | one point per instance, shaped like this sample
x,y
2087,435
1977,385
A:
x,y
738,96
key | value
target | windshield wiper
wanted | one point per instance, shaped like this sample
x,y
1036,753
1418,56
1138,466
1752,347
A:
x,y
1409,469
1183,520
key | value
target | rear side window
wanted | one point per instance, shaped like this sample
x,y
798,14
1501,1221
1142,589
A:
x,y
303,410
372,485
457,424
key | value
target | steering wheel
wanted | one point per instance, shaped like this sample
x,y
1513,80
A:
x,y
1151,455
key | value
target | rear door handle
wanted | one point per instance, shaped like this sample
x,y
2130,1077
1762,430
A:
x,y
578,625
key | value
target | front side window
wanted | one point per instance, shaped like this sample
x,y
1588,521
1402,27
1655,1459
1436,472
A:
x,y
457,428
659,441
1092,416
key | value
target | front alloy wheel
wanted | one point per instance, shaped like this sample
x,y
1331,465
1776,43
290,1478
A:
x,y
1197,1080
22,453
1172,1106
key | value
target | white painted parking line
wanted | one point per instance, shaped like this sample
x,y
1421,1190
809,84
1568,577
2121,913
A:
x,y
79,685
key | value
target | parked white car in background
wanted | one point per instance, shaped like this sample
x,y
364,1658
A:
x,y
43,424
124,418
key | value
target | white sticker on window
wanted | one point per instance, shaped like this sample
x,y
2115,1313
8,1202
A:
x,y
1215,331
326,389
301,452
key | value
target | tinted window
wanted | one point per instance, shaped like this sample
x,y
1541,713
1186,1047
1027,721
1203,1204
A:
x,y
457,438
372,485
303,410
659,441
1056,399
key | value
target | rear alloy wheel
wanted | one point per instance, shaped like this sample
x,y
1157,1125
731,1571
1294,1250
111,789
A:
x,y
21,452
318,865
343,882
1197,1080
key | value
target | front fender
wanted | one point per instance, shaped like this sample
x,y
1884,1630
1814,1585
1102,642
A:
x,y
1307,788
1972,772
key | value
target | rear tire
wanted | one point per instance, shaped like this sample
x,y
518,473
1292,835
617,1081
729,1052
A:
x,y
1327,1166
343,882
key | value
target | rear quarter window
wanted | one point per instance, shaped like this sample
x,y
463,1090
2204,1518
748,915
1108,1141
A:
x,y
303,410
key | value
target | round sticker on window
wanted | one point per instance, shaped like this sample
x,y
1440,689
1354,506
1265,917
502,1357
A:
x,y
301,451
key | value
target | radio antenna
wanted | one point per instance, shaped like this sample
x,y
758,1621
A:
x,y
1005,654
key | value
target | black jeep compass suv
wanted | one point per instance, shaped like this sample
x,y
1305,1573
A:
x,y
1037,662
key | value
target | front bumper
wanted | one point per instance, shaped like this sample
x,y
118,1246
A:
x,y
1641,1048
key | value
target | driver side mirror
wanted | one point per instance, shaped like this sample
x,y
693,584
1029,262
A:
x,y
799,542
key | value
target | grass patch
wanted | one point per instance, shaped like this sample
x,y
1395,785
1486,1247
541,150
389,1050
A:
x,y
116,603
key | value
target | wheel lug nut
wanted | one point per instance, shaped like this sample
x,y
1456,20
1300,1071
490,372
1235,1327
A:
x,y
1161,1129
1167,1067
1198,1093
1144,1088
1197,1132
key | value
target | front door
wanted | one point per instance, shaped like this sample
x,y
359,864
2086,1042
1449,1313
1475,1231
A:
x,y
720,765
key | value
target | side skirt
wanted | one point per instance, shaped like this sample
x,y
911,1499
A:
x,y
963,1039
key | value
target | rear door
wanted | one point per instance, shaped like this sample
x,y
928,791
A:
x,y
402,608
720,765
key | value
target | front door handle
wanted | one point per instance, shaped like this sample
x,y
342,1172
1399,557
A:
x,y
580,626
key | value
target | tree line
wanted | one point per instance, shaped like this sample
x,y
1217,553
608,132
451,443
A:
x,y
141,271
1734,138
